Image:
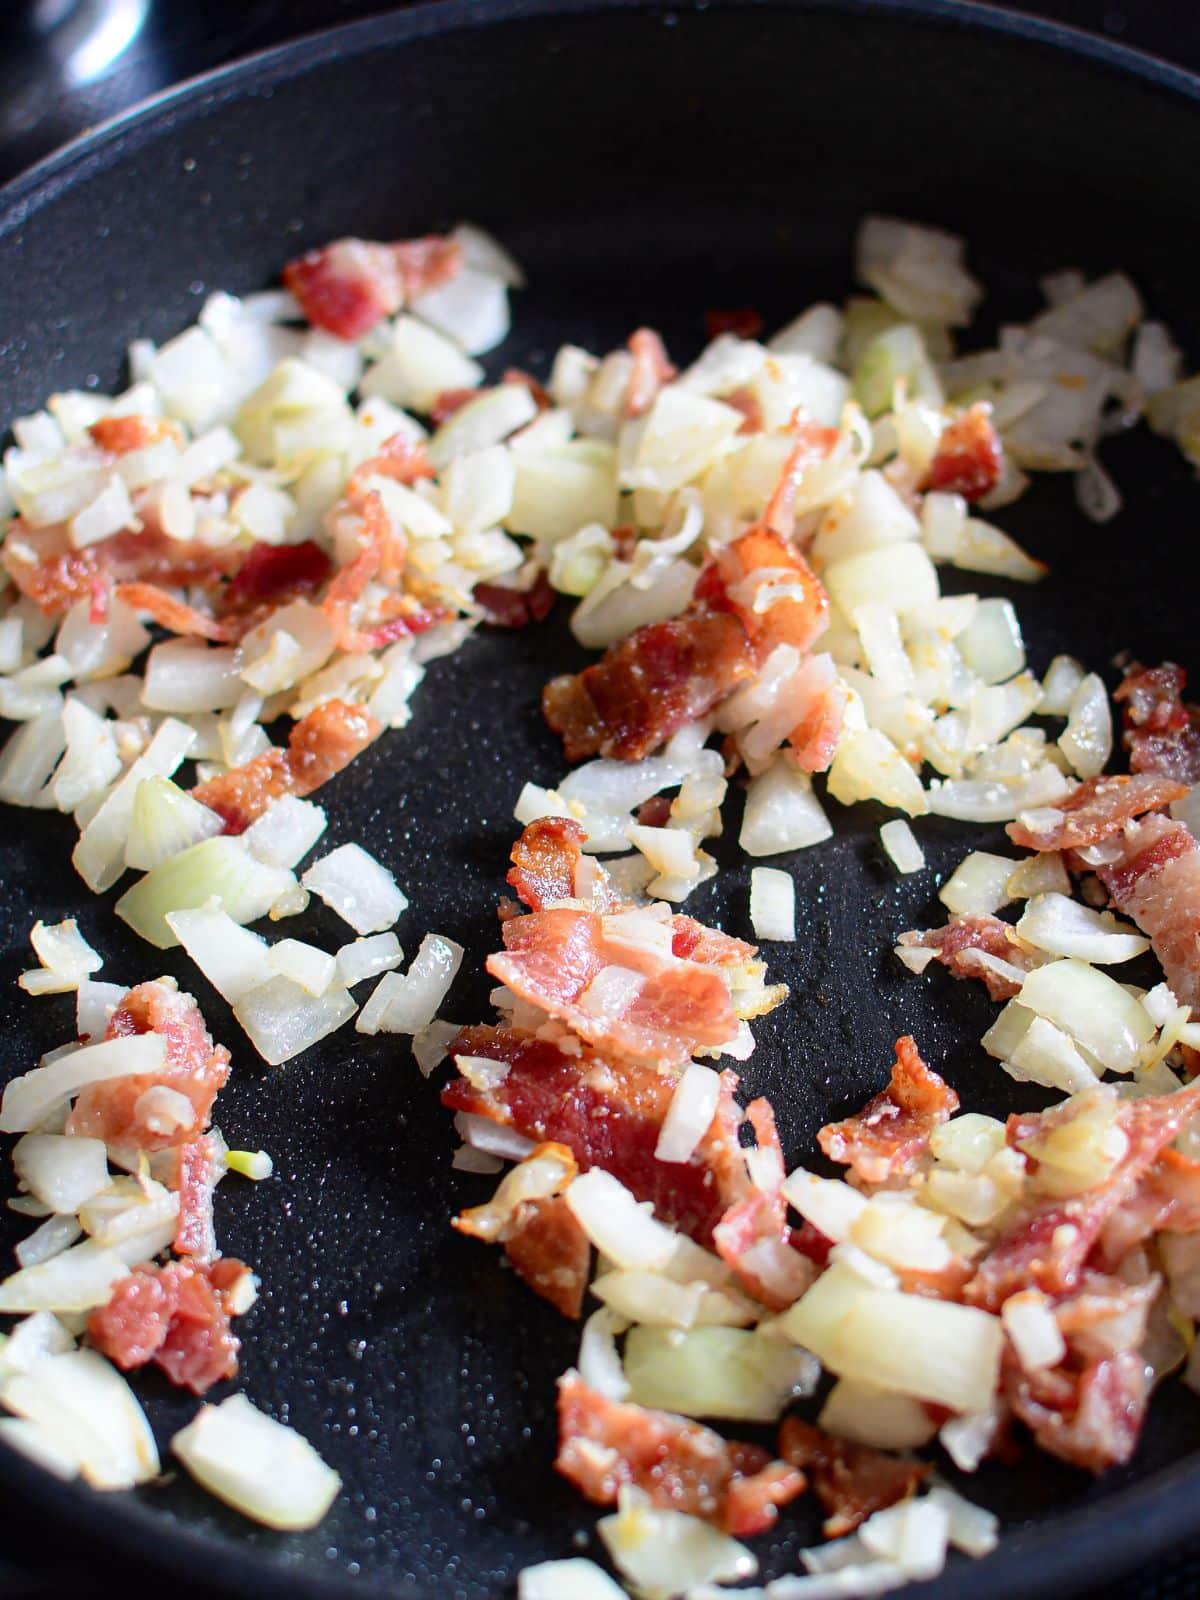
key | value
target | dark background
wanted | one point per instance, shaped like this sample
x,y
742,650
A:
x,y
66,65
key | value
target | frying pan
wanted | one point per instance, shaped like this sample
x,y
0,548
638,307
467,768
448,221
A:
x,y
644,164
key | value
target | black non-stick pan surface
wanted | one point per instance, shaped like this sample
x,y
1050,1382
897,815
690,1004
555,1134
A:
x,y
644,164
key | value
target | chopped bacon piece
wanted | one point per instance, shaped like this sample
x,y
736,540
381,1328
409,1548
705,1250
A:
x,y
448,401
546,865
753,565
753,1237
852,1481
891,1133
1162,733
348,286
1046,1246
1106,1315
1167,1197
1090,1419
272,575
193,1066
400,458
515,608
47,569
551,958
812,743
969,459
320,744
651,369
609,1114
1156,881
198,1173
695,942
1096,809
550,1252
655,813
172,613
649,685
956,945
744,322
605,1445
176,1316
120,435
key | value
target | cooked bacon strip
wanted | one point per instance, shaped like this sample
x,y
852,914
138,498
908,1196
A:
x,y
695,942
605,1445
400,458
1095,810
891,1133
47,569
1090,1419
1046,1246
753,1237
172,613
1167,1197
1156,881
551,1253
548,864
348,286
198,1174
744,322
609,1114
751,566
176,1316
193,1066
319,745
120,435
551,958
515,608
851,1481
812,743
651,369
272,575
649,685
1162,733
969,459
1106,1315
747,402
956,944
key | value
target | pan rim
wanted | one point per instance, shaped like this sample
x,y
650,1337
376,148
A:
x,y
1139,1521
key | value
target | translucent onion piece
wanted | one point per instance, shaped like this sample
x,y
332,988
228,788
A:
x,y
30,1097
258,1466
218,871
362,892
90,1415
282,1019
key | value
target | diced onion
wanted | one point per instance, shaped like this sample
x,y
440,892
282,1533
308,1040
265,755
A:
x,y
772,904
355,885
573,1579
1093,1009
76,1279
409,1004
880,1418
599,1361
233,959
60,1171
692,1108
367,958
1030,1323
257,1465
901,845
282,1019
31,1096
286,831
90,1416
662,1553
1063,927
220,871
782,812
979,884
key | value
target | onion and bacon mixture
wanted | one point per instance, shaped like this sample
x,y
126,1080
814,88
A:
x,y
311,493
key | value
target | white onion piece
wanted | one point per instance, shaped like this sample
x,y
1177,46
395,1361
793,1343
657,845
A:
x,y
829,1204
662,1553
33,1339
30,1097
1063,927
573,1579
286,831
30,756
978,884
913,1534
90,1415
968,1439
219,870
599,1361
166,820
692,1108
417,365
282,1019
1044,1054
1087,739
782,812
362,892
934,1350
185,676
973,1529
901,846
233,959
990,800
494,1138
258,1466
313,969
367,958
44,1243
91,761
61,1171
76,1279
408,1004
66,958
99,856
866,1414
714,1371
1030,1324
772,904
991,643
917,270
1093,1009
471,308
430,1046
624,1231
